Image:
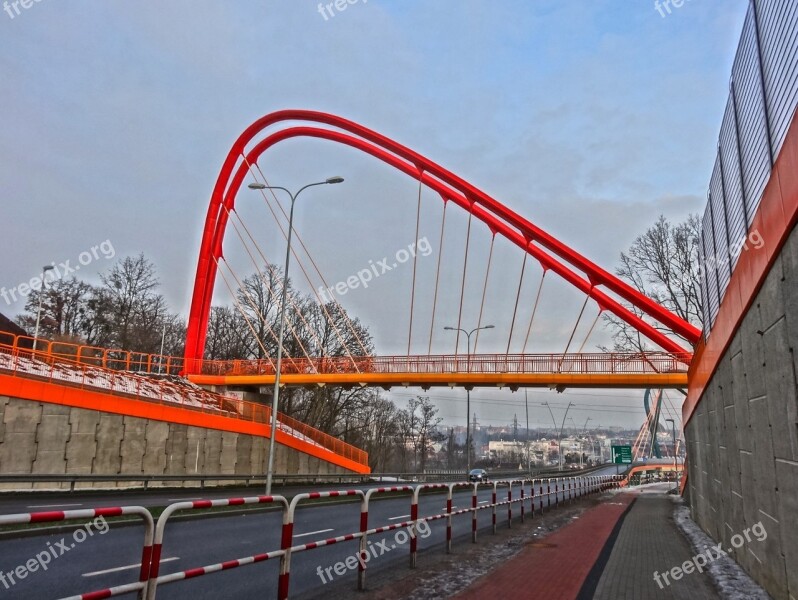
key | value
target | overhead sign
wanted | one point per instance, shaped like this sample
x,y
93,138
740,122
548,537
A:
x,y
622,455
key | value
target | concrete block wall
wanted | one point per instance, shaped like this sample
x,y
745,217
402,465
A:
x,y
742,440
37,437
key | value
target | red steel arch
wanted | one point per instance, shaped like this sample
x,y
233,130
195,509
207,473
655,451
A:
x,y
495,215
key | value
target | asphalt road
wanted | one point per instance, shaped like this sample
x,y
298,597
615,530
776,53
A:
x,y
112,558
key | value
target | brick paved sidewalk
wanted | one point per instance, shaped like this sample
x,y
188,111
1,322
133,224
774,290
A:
x,y
650,541
555,567
609,553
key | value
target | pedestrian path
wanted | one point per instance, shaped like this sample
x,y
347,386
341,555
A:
x,y
611,552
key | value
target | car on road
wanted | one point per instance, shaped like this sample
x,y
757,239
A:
x,y
480,475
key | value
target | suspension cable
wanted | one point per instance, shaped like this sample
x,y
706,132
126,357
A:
x,y
244,314
321,304
437,276
415,263
269,286
263,319
534,310
462,285
517,298
484,290
589,331
333,299
571,339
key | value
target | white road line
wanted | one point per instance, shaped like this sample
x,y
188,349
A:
x,y
183,499
312,533
126,568
52,505
484,501
399,517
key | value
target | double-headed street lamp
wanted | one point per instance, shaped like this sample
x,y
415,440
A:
x,y
468,389
675,462
559,435
281,335
45,268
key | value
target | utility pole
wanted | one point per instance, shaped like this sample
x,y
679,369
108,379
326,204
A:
x,y
471,441
526,401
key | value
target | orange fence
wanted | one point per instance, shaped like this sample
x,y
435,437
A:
x,y
598,363
55,362
595,363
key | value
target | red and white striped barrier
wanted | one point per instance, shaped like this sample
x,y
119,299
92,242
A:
x,y
150,578
139,586
156,580
288,534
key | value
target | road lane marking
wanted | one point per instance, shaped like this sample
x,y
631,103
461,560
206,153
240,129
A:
x,y
312,533
126,568
183,499
51,505
399,517
484,501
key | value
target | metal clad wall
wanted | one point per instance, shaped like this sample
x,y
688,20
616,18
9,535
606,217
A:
x,y
732,184
778,30
719,228
751,122
713,302
763,95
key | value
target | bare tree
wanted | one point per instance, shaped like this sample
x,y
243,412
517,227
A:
x,y
662,264
64,310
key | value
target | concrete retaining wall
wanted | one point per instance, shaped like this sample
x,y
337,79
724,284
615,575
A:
x,y
743,437
37,437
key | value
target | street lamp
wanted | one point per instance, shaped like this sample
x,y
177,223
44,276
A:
x,y
559,435
281,335
468,389
45,268
675,462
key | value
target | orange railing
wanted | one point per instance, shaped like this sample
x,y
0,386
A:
x,y
593,363
598,363
55,362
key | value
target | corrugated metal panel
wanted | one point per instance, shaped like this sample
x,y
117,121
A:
x,y
732,184
713,303
703,283
719,229
747,95
763,96
778,31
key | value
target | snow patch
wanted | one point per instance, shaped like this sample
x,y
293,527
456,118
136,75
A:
x,y
732,582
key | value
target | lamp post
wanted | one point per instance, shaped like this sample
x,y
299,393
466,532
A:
x,y
468,389
559,435
283,298
45,268
675,461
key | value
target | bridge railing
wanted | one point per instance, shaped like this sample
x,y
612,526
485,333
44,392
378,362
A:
x,y
648,362
140,362
63,369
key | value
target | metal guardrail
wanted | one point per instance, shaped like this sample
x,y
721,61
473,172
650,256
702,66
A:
x,y
285,479
563,489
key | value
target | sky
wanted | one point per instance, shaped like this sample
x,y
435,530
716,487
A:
x,y
589,118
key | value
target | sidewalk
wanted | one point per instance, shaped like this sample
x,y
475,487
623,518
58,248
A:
x,y
610,553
